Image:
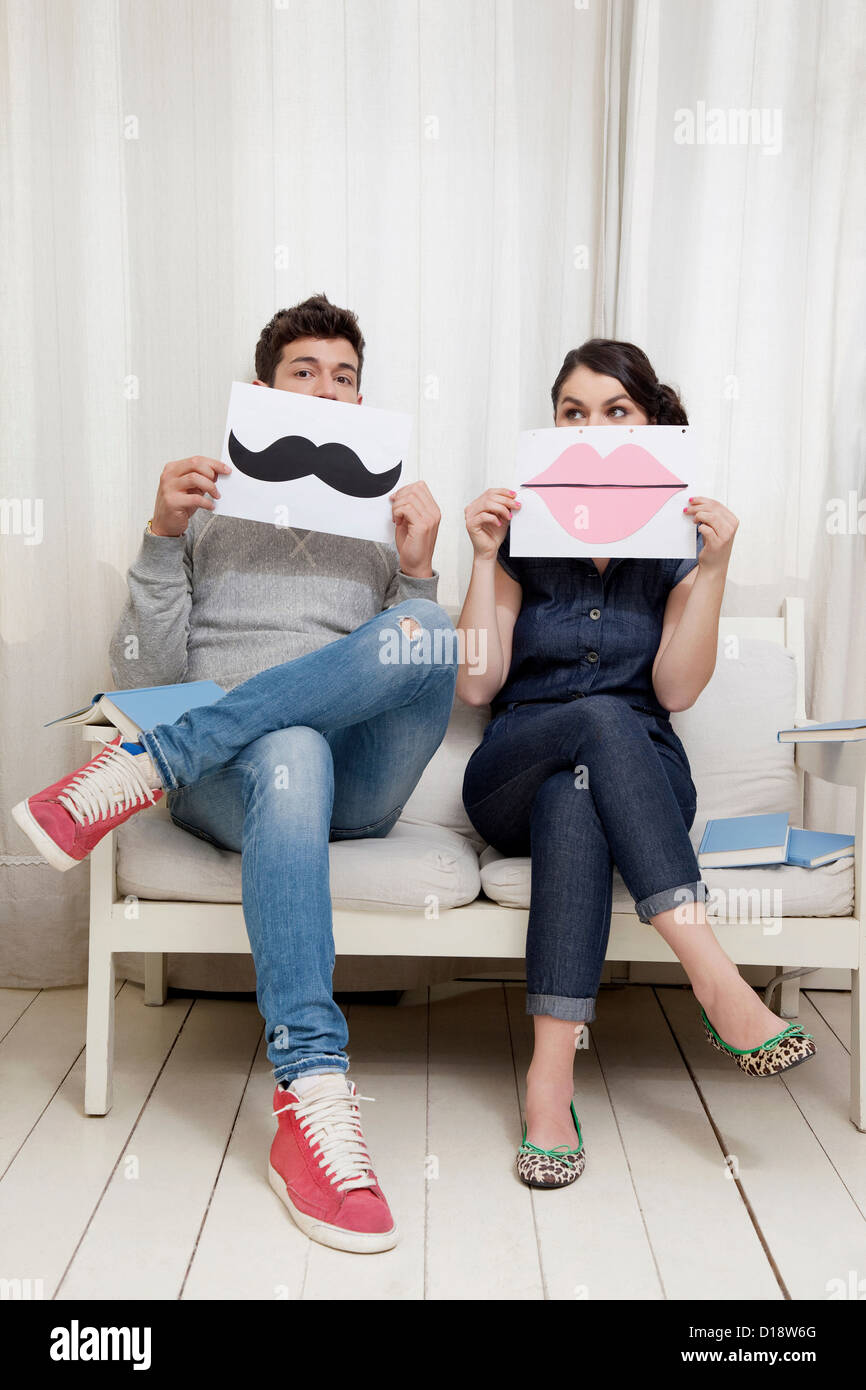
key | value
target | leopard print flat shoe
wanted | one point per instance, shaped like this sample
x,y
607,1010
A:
x,y
787,1049
557,1167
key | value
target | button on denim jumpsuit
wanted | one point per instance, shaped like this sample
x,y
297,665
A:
x,y
579,766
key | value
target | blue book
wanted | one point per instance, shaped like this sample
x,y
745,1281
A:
x,y
843,731
741,841
809,848
130,711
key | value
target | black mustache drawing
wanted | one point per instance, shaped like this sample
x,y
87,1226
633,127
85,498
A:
x,y
294,456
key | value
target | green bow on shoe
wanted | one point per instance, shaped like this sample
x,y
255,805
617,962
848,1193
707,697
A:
x,y
793,1030
561,1152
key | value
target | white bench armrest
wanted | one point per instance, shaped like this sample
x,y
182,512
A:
x,y
99,733
842,763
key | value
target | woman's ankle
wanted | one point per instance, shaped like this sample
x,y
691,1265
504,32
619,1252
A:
x,y
545,1087
710,989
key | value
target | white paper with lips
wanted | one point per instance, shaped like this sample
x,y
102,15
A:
x,y
605,490
286,490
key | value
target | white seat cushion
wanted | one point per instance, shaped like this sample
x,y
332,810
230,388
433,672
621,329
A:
x,y
824,892
409,868
431,852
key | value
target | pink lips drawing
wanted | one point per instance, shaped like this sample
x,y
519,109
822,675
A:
x,y
598,499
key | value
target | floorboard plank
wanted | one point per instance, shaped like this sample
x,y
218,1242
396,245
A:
x,y
51,1189
591,1235
834,1006
820,1089
35,1055
664,1219
813,1229
249,1247
13,1003
388,1060
481,1241
142,1235
703,1240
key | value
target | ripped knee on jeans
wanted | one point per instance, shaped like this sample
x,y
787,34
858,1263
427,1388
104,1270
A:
x,y
410,627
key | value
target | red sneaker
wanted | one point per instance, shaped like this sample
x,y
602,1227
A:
x,y
66,820
320,1168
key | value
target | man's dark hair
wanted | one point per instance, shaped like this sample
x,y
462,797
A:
x,y
316,317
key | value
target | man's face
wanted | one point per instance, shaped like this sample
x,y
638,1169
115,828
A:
x,y
326,367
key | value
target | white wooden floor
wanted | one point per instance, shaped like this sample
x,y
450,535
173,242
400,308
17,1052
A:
x,y
700,1182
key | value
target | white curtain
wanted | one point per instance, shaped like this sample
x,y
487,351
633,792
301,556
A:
x,y
741,270
487,183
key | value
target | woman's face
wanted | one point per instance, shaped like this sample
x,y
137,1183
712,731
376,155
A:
x,y
587,398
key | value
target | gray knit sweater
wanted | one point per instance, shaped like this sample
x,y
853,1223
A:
x,y
231,597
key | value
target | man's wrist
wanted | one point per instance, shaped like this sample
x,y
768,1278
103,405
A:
x,y
419,573
163,535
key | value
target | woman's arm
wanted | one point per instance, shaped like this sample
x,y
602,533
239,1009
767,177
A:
x,y
686,657
492,602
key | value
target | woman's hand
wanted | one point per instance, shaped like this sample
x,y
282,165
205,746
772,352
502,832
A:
x,y
718,527
487,518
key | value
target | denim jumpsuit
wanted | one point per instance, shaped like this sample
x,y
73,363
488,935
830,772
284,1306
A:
x,y
579,766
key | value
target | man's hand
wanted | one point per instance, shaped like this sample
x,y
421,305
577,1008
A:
x,y
184,486
416,520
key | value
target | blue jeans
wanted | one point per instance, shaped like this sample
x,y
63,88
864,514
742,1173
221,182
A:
x,y
326,747
580,785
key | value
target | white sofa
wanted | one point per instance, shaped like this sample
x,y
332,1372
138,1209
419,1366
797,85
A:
x,y
432,888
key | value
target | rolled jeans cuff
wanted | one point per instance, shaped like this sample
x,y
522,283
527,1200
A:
x,y
150,743
560,1006
650,907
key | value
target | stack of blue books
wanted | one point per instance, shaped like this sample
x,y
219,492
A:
x,y
738,842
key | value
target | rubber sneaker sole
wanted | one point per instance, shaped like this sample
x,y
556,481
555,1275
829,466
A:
x,y
57,858
357,1242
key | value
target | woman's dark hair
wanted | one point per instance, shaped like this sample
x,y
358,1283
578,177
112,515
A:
x,y
632,367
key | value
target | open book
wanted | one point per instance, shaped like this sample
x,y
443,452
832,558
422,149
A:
x,y
130,711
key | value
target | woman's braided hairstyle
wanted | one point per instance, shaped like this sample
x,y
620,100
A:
x,y
630,366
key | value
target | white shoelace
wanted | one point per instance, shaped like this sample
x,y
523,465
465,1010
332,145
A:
x,y
332,1124
112,782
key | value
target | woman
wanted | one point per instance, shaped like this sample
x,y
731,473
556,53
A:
x,y
579,766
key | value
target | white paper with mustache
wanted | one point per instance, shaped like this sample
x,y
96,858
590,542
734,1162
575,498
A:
x,y
645,473
257,415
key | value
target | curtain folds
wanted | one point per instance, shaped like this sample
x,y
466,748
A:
x,y
487,185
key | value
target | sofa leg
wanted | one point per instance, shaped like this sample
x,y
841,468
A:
x,y
155,977
789,998
858,1042
619,973
99,1055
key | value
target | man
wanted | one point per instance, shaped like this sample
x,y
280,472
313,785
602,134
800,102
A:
x,y
317,739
